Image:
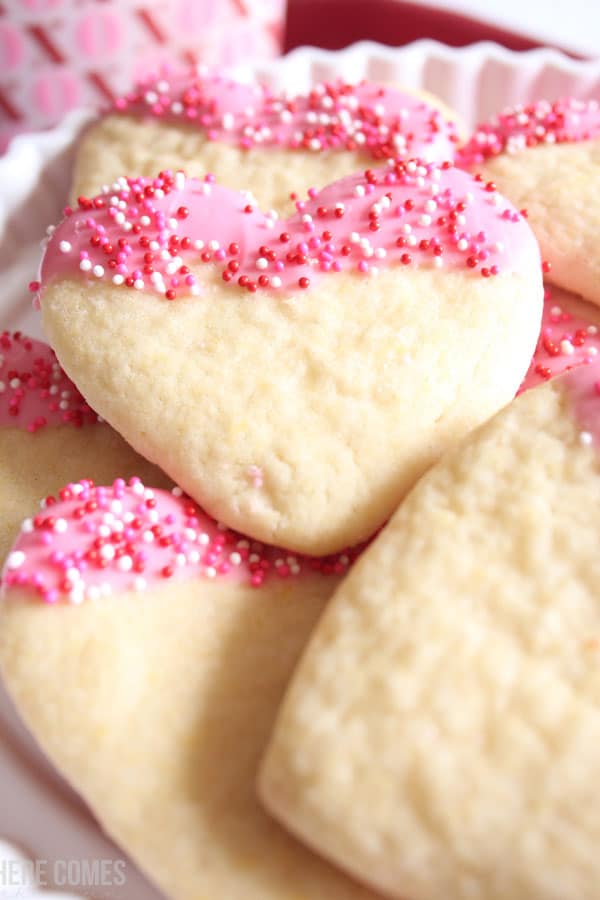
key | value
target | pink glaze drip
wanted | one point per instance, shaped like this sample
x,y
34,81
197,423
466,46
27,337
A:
x,y
34,390
582,385
565,342
96,541
566,120
146,233
382,121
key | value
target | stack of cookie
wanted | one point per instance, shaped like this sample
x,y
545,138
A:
x,y
289,332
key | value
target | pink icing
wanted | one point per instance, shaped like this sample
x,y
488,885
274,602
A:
x,y
145,233
383,121
95,541
34,390
565,341
582,385
527,126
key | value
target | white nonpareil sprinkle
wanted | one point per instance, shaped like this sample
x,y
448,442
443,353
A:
x,y
76,595
15,559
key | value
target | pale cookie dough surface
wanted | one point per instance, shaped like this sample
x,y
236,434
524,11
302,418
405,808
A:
x,y
157,707
123,145
340,398
559,185
33,466
440,737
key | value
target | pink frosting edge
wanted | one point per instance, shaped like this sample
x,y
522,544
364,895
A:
x,y
380,119
35,391
566,120
94,541
144,233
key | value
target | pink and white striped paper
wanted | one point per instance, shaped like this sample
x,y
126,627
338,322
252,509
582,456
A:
x,y
56,55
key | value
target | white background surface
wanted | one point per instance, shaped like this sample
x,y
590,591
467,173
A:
x,y
571,24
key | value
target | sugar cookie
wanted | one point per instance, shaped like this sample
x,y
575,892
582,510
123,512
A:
x,y
546,158
151,676
253,139
49,435
336,355
440,735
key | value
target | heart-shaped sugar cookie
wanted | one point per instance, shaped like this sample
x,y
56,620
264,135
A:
x,y
440,735
546,157
254,139
49,434
320,365
154,689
